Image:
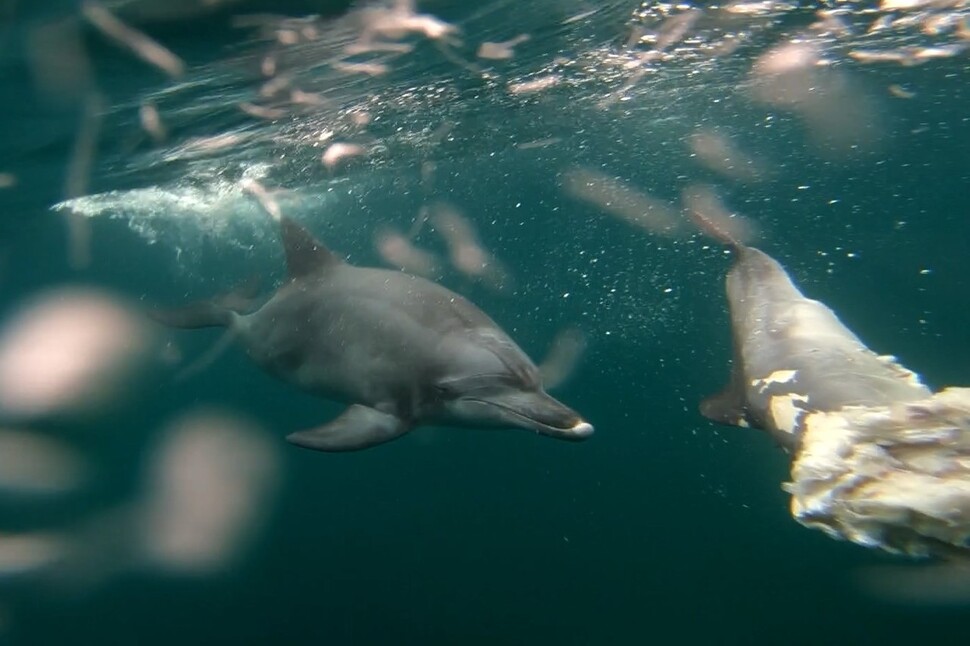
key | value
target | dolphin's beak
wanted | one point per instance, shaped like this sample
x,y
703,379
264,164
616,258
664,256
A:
x,y
539,412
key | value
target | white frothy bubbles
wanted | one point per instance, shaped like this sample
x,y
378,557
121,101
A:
x,y
181,215
68,350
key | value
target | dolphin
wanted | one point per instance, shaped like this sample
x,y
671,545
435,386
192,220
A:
x,y
877,458
792,356
400,350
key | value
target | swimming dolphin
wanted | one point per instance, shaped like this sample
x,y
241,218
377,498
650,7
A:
x,y
401,350
792,355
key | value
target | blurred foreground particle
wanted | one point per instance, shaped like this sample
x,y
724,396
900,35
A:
x,y
501,51
151,122
701,201
58,60
535,84
78,176
338,153
943,584
562,358
398,251
34,465
466,252
140,44
622,201
717,152
28,554
840,116
68,351
396,22
210,487
263,196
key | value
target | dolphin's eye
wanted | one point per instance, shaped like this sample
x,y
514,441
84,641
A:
x,y
446,390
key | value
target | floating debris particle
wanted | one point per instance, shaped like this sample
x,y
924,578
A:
x,y
144,47
501,51
339,152
617,198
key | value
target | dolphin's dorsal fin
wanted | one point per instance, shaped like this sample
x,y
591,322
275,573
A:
x,y
304,254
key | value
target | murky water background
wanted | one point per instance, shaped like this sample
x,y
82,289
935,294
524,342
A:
x,y
536,157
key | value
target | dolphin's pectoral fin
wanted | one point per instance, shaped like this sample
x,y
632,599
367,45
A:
x,y
358,427
726,407
729,405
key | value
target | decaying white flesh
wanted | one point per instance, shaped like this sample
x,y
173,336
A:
x,y
893,477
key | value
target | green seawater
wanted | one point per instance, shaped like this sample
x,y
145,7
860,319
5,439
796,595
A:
x,y
662,528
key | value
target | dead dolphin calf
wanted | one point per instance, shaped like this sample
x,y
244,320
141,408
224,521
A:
x,y
401,350
792,356
878,459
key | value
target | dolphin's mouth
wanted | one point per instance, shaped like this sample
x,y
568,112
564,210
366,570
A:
x,y
578,430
